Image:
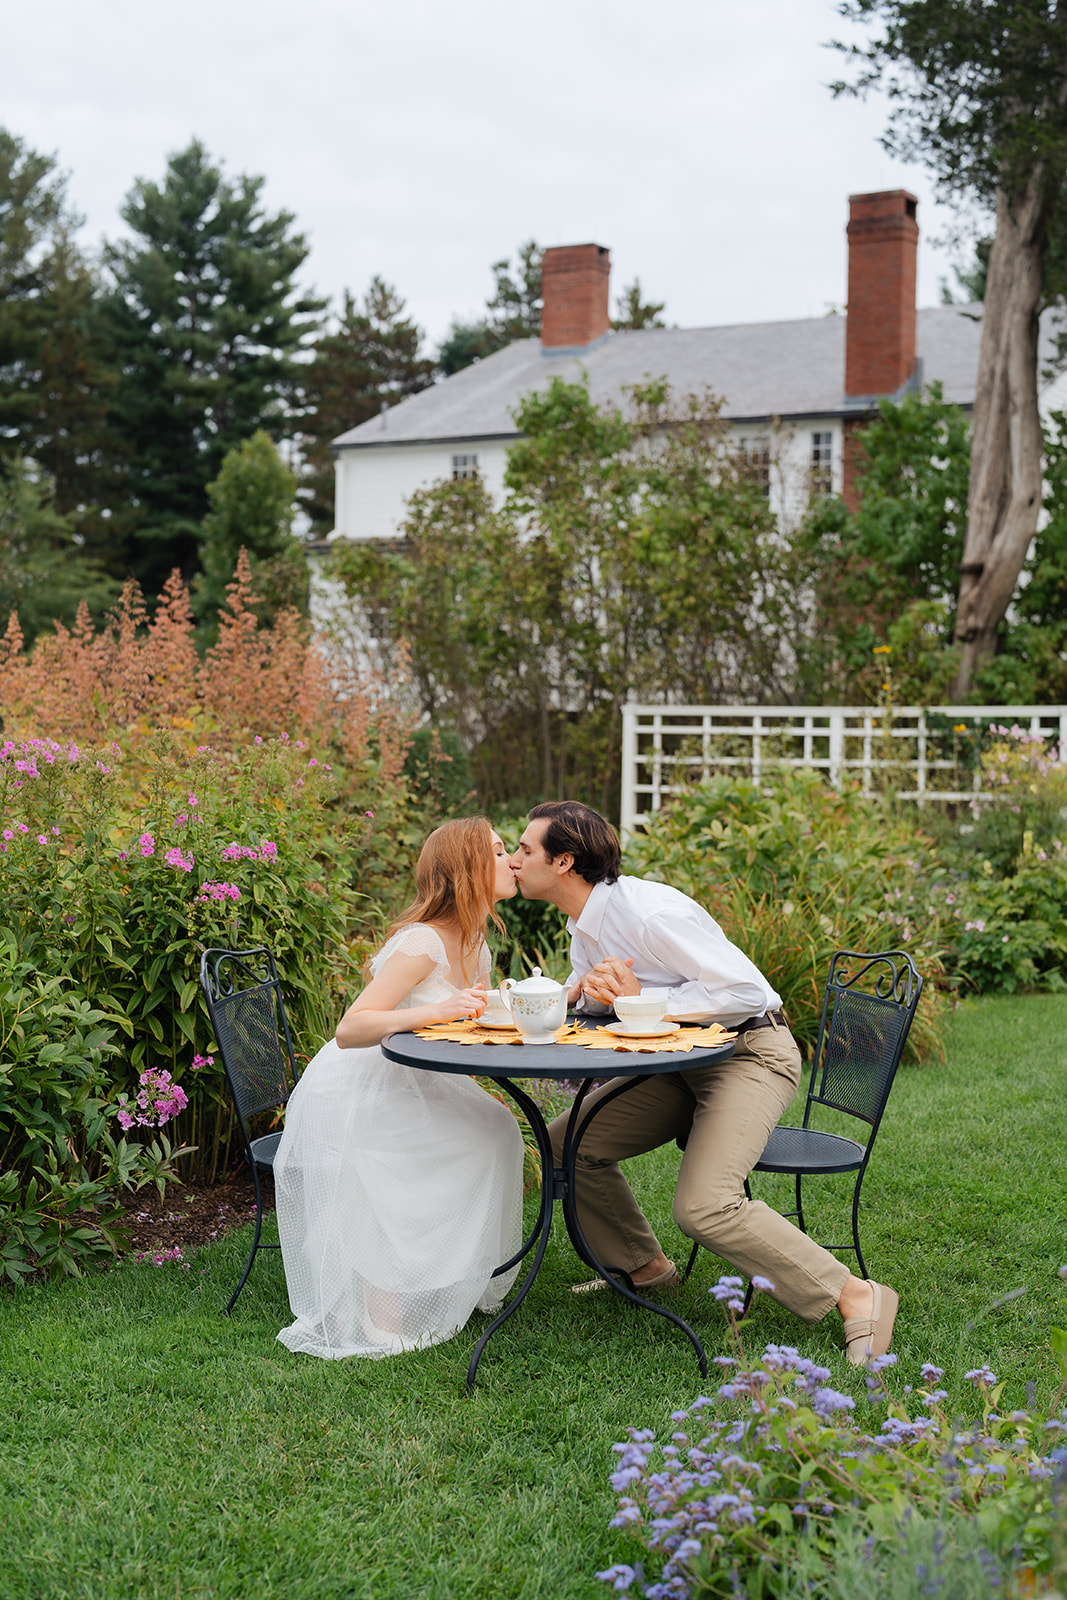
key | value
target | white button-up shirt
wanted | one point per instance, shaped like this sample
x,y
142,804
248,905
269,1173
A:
x,y
678,951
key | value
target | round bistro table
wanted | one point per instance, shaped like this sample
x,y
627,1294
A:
x,y
506,1065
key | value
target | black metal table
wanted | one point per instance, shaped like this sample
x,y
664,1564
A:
x,y
504,1064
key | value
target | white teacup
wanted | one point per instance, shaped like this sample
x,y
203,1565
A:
x,y
496,1013
642,1013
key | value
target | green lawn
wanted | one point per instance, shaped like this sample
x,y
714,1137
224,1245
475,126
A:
x,y
151,1447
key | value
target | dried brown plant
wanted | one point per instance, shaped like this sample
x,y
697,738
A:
x,y
136,675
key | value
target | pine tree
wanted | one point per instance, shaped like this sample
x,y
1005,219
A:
x,y
45,574
205,323
32,216
632,313
371,360
514,312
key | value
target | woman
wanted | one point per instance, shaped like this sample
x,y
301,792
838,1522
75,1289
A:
x,y
400,1191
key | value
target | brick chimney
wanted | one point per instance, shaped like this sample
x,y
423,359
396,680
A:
x,y
574,294
883,238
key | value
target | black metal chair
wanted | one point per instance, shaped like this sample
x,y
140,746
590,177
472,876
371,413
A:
x,y
867,1012
244,1001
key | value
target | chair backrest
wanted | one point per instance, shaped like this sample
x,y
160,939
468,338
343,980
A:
x,y
244,1001
867,1011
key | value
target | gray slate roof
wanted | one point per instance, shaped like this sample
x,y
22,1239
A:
x,y
764,369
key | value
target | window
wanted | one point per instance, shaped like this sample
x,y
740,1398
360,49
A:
x,y
755,452
464,466
822,463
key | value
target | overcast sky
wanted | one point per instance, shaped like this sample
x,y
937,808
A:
x,y
423,140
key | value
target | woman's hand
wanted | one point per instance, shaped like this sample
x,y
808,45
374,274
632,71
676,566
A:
x,y
464,1003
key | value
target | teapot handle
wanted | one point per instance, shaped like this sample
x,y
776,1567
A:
x,y
505,985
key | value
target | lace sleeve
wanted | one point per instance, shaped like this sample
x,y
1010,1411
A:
x,y
485,966
417,939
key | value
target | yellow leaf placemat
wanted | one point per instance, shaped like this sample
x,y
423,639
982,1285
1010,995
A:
x,y
684,1039
472,1032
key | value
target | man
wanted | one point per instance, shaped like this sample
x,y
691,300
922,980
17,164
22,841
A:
x,y
628,935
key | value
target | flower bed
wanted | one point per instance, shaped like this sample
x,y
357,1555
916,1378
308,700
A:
x,y
775,1475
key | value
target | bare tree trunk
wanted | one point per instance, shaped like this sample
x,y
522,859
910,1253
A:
x,y
1005,482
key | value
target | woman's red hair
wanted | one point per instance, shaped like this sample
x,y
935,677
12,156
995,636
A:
x,y
455,878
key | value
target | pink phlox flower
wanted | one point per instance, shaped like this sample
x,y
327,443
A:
x,y
185,862
148,844
23,827
313,762
239,852
8,833
268,850
369,814
158,1099
161,1257
55,830
218,891
193,801
259,738
42,838
180,820
123,856
100,764
202,1061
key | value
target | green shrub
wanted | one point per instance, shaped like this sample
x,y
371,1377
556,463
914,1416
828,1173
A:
x,y
794,870
61,1167
121,892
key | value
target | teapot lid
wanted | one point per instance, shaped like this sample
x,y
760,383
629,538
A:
x,y
538,983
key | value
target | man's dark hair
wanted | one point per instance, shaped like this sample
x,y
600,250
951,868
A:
x,y
577,830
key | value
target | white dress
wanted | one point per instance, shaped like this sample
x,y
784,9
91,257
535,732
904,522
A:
x,y
398,1192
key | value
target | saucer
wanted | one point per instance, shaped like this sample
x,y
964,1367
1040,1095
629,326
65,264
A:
x,y
626,1030
491,1022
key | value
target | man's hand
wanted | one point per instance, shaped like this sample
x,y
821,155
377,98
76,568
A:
x,y
610,978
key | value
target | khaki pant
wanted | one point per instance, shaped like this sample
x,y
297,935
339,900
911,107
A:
x,y
726,1112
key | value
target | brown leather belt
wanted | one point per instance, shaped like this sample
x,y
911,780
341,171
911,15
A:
x,y
769,1019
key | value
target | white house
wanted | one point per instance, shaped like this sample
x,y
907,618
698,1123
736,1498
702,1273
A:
x,y
794,392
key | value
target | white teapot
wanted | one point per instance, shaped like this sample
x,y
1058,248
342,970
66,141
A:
x,y
538,1006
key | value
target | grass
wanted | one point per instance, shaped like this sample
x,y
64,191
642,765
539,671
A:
x,y
150,1447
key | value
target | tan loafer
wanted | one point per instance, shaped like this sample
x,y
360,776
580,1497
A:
x,y
871,1336
670,1279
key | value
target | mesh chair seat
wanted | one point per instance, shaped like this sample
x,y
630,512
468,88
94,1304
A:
x,y
807,1150
265,1149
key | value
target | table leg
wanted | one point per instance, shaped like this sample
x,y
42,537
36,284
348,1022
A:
x,y
541,1229
576,1127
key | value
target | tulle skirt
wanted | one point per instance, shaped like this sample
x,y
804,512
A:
x,y
398,1194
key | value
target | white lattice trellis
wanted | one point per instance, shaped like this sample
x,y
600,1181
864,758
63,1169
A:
x,y
666,746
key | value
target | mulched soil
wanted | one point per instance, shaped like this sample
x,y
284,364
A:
x,y
193,1214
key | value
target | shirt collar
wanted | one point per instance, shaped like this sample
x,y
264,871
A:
x,y
589,923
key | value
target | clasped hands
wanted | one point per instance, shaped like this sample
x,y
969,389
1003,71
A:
x,y
605,981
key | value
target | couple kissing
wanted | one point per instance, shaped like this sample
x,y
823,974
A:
x,y
399,1192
